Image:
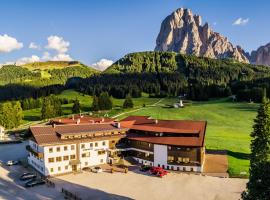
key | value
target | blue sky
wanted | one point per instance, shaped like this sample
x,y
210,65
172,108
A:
x,y
104,29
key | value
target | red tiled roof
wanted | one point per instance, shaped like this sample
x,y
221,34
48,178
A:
x,y
83,119
48,134
187,132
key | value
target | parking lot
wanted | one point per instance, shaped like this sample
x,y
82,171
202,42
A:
x,y
117,185
10,185
142,185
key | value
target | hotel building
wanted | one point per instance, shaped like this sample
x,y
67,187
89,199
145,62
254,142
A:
x,y
69,145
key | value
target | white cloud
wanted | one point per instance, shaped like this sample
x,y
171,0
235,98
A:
x,y
58,57
57,43
8,44
241,21
102,64
25,60
32,45
61,57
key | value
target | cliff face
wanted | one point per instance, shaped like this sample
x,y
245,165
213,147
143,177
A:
x,y
183,32
261,56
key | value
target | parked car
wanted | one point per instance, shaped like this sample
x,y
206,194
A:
x,y
158,171
12,162
96,169
27,176
145,168
35,182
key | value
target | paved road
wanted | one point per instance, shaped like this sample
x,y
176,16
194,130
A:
x,y
12,151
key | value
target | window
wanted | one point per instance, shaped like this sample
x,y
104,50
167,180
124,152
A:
x,y
59,168
83,146
66,167
51,169
96,144
65,157
58,149
170,158
84,155
179,159
171,167
185,160
102,152
72,157
65,148
51,160
101,160
169,147
91,144
72,147
103,143
86,163
58,159
50,150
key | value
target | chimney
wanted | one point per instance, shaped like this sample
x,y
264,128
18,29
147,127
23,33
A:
x,y
78,121
156,121
117,124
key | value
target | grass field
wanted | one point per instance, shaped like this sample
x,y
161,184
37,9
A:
x,y
86,102
229,123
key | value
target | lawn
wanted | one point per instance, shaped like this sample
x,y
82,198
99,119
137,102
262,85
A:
x,y
229,126
229,123
86,102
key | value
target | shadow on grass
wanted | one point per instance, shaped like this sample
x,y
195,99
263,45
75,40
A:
x,y
32,118
239,155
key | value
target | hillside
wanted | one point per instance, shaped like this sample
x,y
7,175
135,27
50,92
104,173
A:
x,y
44,73
207,70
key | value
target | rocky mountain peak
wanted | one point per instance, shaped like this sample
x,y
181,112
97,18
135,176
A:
x,y
183,32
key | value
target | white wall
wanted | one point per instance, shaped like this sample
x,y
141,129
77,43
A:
x,y
94,158
55,154
160,155
35,162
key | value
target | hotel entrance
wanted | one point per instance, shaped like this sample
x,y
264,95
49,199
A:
x,y
74,168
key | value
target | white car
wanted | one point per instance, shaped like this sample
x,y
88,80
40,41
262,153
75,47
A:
x,y
96,169
12,162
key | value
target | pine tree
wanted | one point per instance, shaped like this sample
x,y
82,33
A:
x,y
104,101
18,113
47,110
258,187
128,103
76,108
95,104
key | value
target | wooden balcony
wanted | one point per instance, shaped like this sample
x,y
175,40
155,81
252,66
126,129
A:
x,y
34,152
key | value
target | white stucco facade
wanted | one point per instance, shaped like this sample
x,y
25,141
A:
x,y
160,155
65,158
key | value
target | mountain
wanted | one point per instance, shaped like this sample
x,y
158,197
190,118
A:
x,y
184,33
44,73
261,55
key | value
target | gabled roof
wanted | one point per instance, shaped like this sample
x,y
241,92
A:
x,y
82,119
45,135
187,132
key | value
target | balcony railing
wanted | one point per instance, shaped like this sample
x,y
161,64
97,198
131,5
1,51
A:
x,y
34,152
